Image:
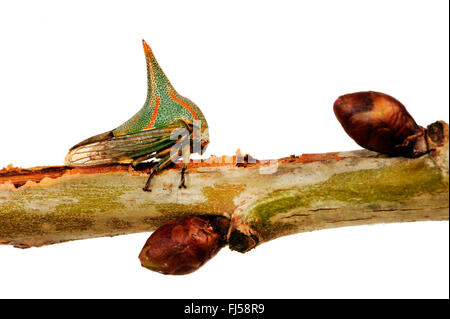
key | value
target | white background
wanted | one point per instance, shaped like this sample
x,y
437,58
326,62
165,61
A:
x,y
266,75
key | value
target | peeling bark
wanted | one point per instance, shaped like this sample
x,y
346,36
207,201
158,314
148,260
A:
x,y
47,205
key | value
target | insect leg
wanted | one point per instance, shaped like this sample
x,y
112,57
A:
x,y
168,156
160,154
163,163
186,156
141,159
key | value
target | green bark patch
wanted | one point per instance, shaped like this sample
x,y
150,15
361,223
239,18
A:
x,y
76,205
391,184
219,200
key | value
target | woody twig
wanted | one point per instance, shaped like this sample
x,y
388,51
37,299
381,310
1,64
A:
x,y
48,205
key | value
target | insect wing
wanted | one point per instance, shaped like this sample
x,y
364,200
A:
x,y
107,148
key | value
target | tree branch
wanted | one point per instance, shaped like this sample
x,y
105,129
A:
x,y
47,205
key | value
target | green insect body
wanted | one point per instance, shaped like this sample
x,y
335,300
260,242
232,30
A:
x,y
150,133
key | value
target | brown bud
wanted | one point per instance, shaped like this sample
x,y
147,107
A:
x,y
182,246
380,123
